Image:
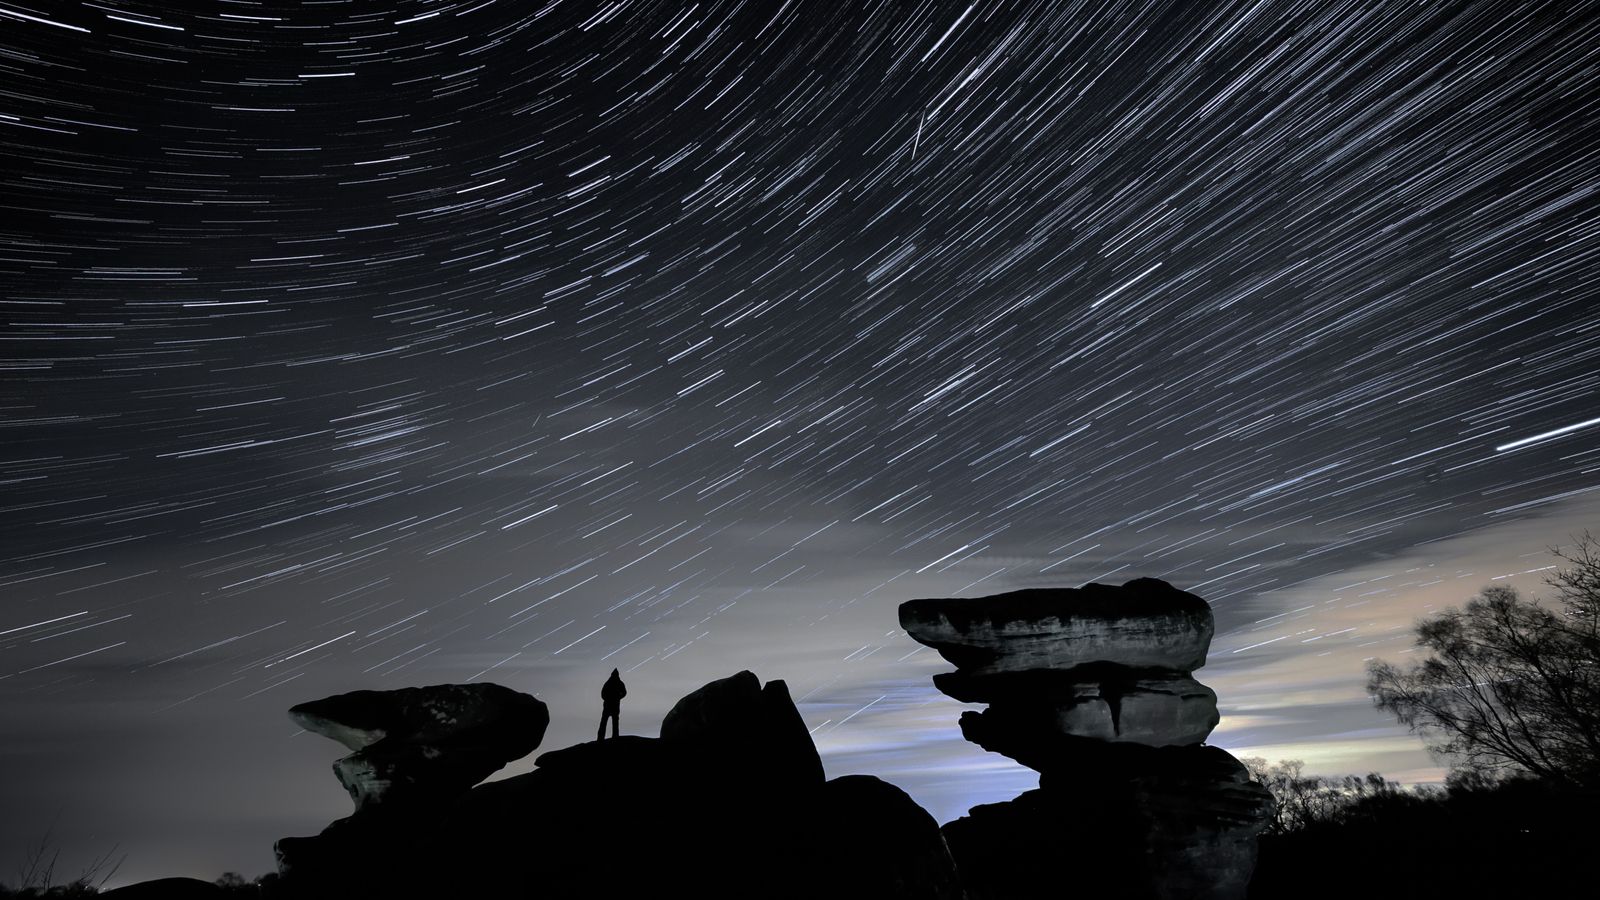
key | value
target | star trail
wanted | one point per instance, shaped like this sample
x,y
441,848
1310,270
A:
x,y
367,344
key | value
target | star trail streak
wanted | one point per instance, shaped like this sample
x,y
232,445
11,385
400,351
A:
x,y
370,344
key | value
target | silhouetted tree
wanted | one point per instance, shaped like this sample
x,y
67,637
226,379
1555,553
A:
x,y
1304,801
1510,684
1494,838
235,885
1300,798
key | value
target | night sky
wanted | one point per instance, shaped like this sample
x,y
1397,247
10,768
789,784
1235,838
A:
x,y
371,344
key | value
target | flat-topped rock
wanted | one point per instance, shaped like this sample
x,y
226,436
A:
x,y
424,743
429,714
1145,623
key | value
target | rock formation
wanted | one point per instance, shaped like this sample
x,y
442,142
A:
x,y
730,801
1146,623
417,751
416,744
741,722
1093,688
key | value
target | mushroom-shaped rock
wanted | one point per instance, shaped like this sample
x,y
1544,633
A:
x,y
1145,623
1091,688
424,743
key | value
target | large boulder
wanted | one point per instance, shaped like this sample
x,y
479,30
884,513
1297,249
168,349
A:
x,y
622,816
1138,823
605,817
730,798
877,842
1091,687
748,726
433,714
375,850
417,751
1158,709
426,743
618,818
1145,623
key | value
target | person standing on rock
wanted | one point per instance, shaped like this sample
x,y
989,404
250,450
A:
x,y
611,697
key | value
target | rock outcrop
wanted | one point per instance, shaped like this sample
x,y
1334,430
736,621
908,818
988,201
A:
x,y
872,840
730,801
744,723
421,744
1146,623
417,752
1093,688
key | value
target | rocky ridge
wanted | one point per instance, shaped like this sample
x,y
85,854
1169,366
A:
x,y
1092,687
730,801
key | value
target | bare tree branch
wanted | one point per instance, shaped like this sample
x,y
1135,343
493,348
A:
x,y
1507,682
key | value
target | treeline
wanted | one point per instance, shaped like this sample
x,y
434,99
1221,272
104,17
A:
x,y
1507,692
1368,838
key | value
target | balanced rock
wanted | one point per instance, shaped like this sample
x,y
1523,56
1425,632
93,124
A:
x,y
1102,662
1091,687
417,751
424,743
1145,623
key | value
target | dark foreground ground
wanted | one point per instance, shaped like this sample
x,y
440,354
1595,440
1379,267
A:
x,y
1517,840
1520,840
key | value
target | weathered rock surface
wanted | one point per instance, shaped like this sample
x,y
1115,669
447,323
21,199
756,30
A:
x,y
1145,623
1159,713
421,744
1110,663
417,751
1092,688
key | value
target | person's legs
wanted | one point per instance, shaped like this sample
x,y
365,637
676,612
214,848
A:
x,y
601,734
615,723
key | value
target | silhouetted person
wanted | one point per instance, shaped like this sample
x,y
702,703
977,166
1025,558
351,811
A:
x,y
611,696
